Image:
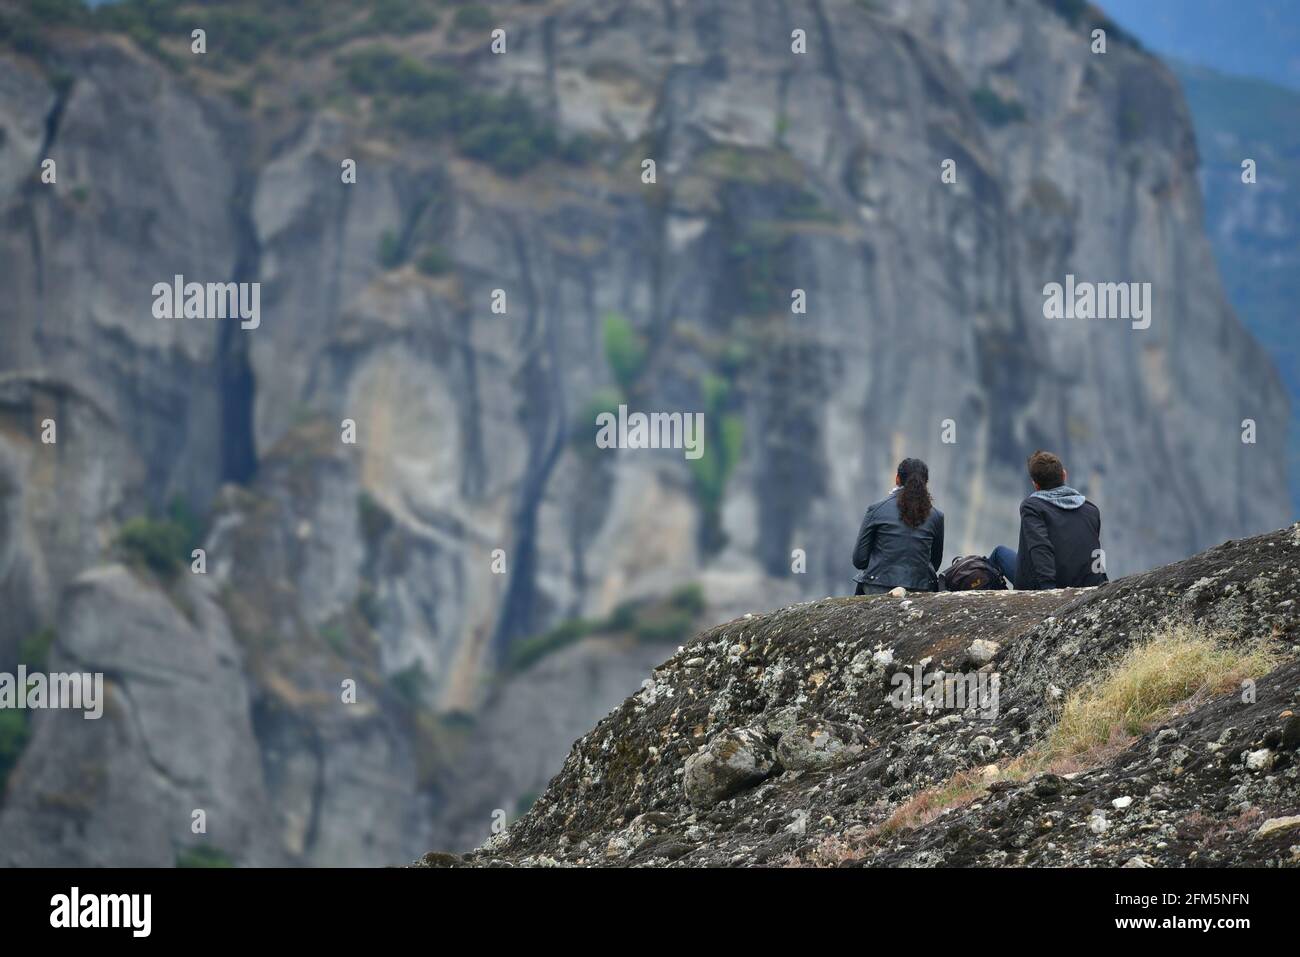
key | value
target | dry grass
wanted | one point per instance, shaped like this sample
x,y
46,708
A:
x,y
923,807
1206,831
831,851
1173,671
1180,666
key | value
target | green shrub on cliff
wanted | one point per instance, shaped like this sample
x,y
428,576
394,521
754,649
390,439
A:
x,y
13,738
473,16
203,856
723,448
160,545
429,101
994,110
625,350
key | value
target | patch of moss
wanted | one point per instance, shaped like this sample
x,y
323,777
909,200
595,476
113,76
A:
x,y
689,598
994,110
430,101
411,684
625,350
400,17
473,16
160,545
203,856
754,258
34,650
722,452
336,636
585,427
646,620
14,734
675,626
524,654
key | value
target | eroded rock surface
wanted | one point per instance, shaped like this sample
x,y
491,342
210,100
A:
x,y
1216,782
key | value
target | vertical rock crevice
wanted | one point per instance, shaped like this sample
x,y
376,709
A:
x,y
235,379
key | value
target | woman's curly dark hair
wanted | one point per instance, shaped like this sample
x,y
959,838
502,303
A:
x,y
914,500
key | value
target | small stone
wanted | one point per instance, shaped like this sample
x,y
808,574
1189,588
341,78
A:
x,y
983,747
1121,802
778,722
982,651
694,663
1136,861
897,592
1097,822
816,745
1047,785
1261,760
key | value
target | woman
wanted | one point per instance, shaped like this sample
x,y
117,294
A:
x,y
901,540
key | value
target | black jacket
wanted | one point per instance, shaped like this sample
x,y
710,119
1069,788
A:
x,y
1057,545
891,553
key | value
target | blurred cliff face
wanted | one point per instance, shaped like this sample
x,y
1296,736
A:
x,y
828,229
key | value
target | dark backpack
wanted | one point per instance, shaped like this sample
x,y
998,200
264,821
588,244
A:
x,y
972,573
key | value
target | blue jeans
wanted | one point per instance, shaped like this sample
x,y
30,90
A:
x,y
1006,561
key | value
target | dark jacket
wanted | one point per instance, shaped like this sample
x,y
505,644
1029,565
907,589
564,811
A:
x,y
892,553
1060,532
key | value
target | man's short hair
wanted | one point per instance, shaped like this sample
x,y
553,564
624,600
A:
x,y
1046,470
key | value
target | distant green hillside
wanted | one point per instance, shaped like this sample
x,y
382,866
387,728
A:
x,y
1255,229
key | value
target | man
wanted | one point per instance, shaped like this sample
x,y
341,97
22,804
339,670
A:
x,y
1060,534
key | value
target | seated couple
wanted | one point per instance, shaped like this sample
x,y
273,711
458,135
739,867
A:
x,y
901,540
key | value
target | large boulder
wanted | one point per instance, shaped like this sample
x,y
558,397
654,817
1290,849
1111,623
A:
x,y
816,745
729,763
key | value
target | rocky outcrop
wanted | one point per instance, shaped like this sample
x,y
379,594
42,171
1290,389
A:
x,y
175,738
1215,781
377,561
